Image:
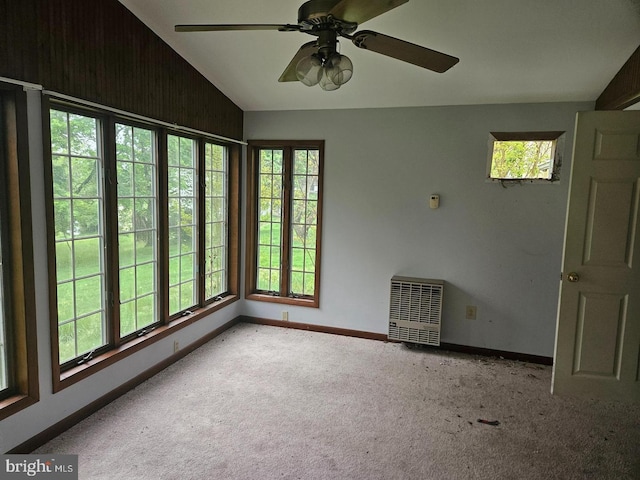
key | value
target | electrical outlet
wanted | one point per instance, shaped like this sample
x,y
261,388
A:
x,y
176,346
285,316
470,312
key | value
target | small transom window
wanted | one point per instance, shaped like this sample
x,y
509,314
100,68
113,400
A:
x,y
525,156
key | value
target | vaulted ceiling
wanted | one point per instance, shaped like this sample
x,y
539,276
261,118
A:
x,y
510,51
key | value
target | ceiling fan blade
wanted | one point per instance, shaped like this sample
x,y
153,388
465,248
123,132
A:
x,y
359,11
289,74
232,27
405,51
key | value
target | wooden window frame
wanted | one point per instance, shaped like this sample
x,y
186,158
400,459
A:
x,y
119,348
251,269
104,136
115,269
203,222
198,148
17,246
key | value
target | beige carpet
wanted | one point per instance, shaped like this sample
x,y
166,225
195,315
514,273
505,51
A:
x,y
262,402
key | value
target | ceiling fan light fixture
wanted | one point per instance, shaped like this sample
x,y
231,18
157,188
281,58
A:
x,y
325,81
339,68
309,70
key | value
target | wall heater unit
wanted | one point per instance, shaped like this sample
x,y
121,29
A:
x,y
415,310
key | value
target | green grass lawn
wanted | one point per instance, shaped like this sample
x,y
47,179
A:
x,y
303,260
81,286
81,292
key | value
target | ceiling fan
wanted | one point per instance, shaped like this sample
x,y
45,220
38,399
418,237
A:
x,y
319,62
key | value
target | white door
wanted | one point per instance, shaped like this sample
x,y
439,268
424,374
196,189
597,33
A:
x,y
597,351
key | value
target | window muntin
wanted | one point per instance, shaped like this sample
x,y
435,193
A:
x,y
525,156
216,220
137,227
284,218
77,167
183,265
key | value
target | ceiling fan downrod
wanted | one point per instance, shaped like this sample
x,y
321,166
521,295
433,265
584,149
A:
x,y
327,43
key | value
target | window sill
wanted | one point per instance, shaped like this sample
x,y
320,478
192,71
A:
x,y
12,405
76,374
522,181
302,302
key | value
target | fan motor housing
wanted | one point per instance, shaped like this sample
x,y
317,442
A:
x,y
315,11
315,15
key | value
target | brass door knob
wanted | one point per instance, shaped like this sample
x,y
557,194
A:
x,y
573,277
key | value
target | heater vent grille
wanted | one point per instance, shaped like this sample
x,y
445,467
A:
x,y
415,310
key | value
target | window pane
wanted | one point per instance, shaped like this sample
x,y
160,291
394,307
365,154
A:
x,y
182,220
304,219
216,220
89,332
78,211
83,135
269,203
127,317
66,302
522,159
61,174
137,227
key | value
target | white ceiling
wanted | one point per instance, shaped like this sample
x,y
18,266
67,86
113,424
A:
x,y
510,51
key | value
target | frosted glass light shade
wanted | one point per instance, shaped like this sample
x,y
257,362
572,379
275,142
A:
x,y
340,68
325,81
309,70
329,72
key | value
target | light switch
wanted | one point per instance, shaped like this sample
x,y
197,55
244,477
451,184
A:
x,y
434,201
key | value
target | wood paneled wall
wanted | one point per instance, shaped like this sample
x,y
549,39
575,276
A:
x,y
98,50
624,90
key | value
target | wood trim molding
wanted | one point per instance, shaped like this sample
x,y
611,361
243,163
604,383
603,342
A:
x,y
517,136
488,352
235,219
522,357
624,89
316,328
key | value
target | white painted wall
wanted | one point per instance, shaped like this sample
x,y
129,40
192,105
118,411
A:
x,y
51,408
497,248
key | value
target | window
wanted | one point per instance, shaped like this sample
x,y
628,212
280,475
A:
x,y
18,356
78,203
182,223
284,221
133,222
216,223
525,156
137,181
